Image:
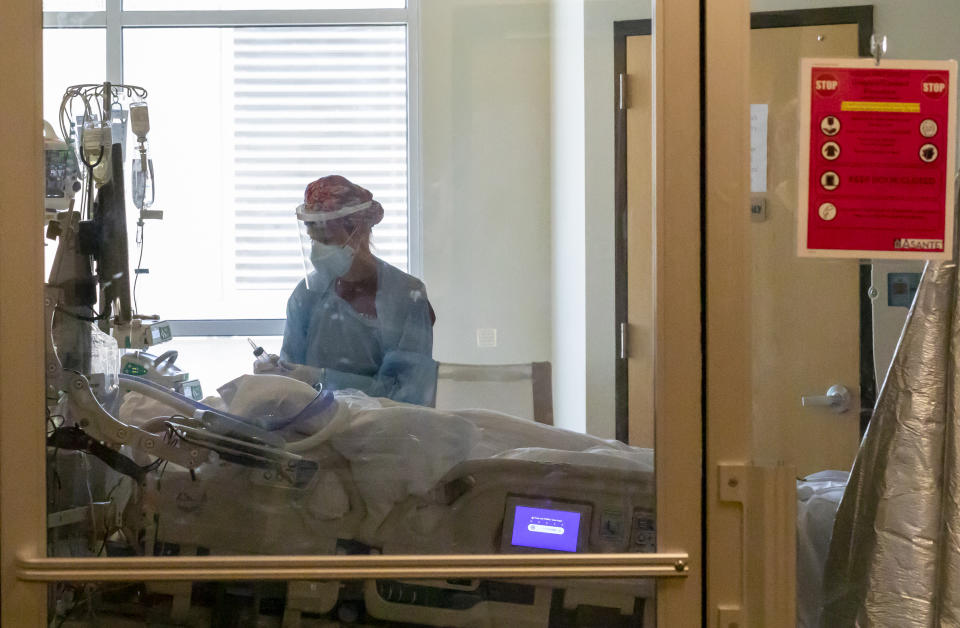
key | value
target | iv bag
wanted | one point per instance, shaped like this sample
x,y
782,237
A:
x,y
97,140
118,126
141,184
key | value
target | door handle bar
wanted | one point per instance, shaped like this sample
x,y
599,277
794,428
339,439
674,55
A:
x,y
837,399
228,568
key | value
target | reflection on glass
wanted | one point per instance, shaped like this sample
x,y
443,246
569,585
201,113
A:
x,y
257,5
376,419
579,603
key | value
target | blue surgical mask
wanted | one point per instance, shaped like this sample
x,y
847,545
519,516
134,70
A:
x,y
330,261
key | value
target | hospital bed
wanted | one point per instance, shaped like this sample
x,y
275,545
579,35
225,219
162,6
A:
x,y
388,478
288,471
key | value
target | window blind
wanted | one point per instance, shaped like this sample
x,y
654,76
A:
x,y
308,102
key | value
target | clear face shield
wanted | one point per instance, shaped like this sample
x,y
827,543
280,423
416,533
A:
x,y
327,243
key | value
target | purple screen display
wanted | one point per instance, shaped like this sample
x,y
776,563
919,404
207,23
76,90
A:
x,y
547,529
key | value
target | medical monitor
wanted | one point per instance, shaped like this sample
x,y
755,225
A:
x,y
533,525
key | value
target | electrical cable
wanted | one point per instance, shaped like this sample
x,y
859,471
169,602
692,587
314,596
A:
x,y
75,438
115,486
89,319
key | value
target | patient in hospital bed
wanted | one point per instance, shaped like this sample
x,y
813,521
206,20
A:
x,y
384,472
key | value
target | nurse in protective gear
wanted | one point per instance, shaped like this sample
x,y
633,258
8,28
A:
x,y
355,321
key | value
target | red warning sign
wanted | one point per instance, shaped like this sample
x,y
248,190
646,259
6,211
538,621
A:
x,y
826,84
877,159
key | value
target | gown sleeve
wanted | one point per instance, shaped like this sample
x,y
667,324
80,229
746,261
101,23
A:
x,y
295,329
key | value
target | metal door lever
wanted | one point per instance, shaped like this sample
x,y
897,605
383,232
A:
x,y
837,398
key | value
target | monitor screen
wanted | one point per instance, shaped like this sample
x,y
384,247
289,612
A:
x,y
57,171
545,528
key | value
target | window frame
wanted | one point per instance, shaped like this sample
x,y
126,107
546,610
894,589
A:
x,y
114,19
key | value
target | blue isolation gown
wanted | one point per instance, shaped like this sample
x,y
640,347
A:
x,y
384,356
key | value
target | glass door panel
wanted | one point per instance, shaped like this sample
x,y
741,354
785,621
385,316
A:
x,y
316,183
824,332
807,327
372,435
310,448
801,306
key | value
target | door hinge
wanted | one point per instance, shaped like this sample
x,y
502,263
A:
x,y
624,340
622,91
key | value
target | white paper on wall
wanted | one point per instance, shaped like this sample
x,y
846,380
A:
x,y
758,148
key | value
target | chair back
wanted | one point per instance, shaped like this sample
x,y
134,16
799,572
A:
x,y
523,390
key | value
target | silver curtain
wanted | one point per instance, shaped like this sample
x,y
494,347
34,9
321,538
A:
x,y
895,554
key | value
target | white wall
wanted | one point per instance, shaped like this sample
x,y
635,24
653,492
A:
x,y
599,118
888,320
583,213
517,110
518,123
485,76
569,220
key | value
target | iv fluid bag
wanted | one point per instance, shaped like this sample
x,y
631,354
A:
x,y
141,184
118,127
97,140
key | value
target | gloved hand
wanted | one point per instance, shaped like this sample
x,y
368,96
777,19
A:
x,y
269,366
275,366
309,374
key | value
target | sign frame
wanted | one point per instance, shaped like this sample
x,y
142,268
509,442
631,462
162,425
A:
x,y
803,189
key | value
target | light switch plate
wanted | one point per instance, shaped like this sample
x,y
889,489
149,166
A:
x,y
486,337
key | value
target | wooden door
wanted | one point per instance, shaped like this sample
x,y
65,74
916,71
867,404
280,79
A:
x,y
805,312
639,241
